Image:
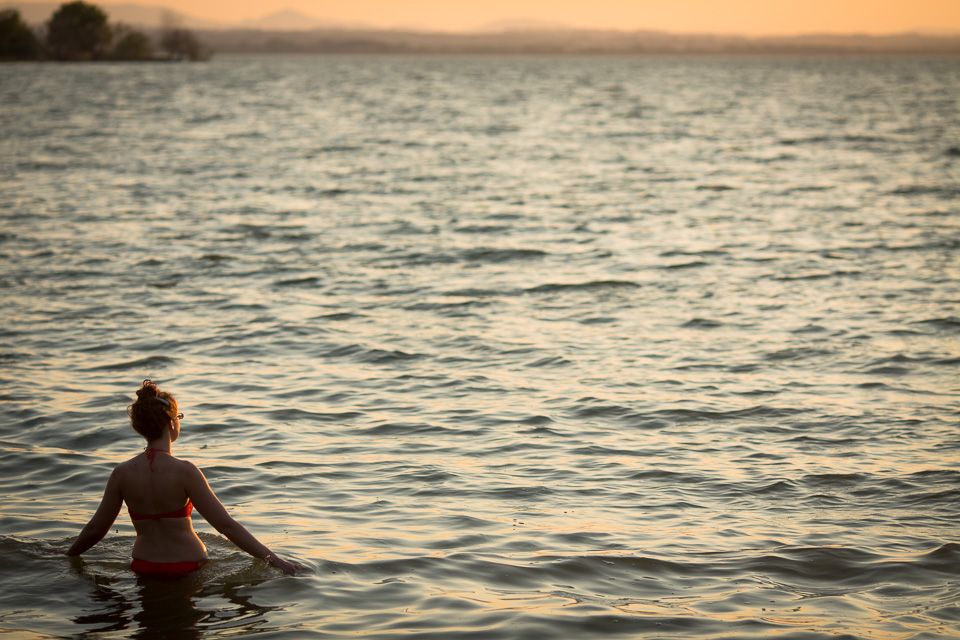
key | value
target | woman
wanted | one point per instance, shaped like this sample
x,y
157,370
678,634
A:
x,y
161,492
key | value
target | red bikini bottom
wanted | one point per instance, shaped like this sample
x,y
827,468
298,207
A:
x,y
167,569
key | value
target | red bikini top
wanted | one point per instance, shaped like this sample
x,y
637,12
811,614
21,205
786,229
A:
x,y
182,512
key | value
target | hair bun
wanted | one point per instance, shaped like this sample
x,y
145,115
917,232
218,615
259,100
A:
x,y
148,390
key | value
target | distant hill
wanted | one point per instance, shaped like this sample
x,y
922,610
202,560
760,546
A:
x,y
570,42
290,20
502,26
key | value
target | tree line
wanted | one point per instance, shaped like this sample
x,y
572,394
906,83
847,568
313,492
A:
x,y
79,31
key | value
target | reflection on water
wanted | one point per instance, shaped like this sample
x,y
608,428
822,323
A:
x,y
191,607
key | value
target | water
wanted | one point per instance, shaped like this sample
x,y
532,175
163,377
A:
x,y
496,347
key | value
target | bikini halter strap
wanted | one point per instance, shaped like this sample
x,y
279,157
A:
x,y
151,453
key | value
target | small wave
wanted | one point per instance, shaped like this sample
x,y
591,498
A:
x,y
938,474
951,323
153,362
840,567
931,499
421,258
902,358
888,371
939,190
686,265
449,308
483,229
204,119
810,188
498,129
404,428
948,244
594,285
468,522
519,493
598,320
816,275
833,479
337,148
715,187
810,328
383,356
552,361
375,356
949,551
660,474
778,487
701,323
478,293
300,415
216,257
823,442
587,408
800,353
759,411
332,192
460,542
308,281
600,452
409,473
341,316
673,253
503,255
807,140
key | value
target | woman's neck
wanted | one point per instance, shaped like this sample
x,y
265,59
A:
x,y
160,444
163,442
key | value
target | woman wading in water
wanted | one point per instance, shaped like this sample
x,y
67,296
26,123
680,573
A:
x,y
161,491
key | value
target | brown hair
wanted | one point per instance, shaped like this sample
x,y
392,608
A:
x,y
152,410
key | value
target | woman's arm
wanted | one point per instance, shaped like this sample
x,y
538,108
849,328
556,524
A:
x,y
213,511
101,521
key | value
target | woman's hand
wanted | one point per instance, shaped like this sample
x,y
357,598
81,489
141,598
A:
x,y
288,568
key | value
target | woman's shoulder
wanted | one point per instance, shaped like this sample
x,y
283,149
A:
x,y
125,466
185,466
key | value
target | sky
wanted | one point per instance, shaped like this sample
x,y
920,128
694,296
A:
x,y
746,17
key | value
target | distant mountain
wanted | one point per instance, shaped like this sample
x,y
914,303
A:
x,y
505,26
285,20
569,42
290,20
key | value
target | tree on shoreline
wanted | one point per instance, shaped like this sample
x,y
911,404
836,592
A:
x,y
131,44
179,42
78,31
17,40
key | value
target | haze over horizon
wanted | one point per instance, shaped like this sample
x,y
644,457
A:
x,y
743,17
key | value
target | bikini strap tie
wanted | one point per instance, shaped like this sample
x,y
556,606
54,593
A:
x,y
152,453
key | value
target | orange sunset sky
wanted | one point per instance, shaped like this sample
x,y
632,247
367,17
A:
x,y
747,17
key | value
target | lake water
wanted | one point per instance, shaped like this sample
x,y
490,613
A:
x,y
496,347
